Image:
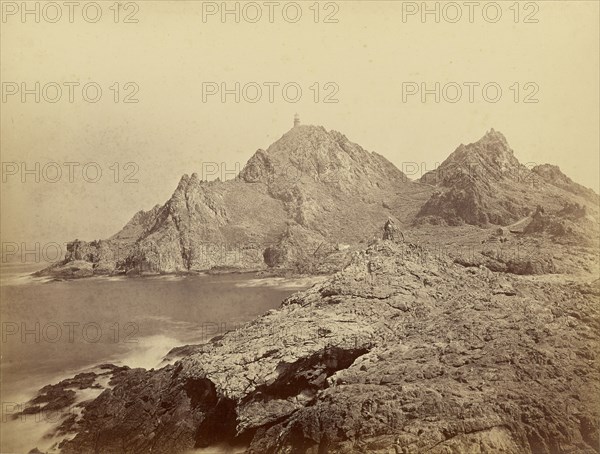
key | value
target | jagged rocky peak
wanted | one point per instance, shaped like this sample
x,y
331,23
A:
x,y
480,183
302,135
492,148
311,152
313,142
184,181
490,158
483,183
303,150
493,136
187,181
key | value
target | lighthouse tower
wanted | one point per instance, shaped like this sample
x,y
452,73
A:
x,y
296,120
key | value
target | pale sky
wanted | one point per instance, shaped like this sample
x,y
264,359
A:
x,y
170,52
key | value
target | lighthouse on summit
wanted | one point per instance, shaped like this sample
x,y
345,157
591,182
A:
x,y
296,120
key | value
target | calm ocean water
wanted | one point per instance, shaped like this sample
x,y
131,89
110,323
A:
x,y
53,330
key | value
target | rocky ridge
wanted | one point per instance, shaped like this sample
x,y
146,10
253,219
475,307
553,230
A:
x,y
308,196
313,197
483,183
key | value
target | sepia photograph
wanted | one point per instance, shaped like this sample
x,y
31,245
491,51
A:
x,y
300,227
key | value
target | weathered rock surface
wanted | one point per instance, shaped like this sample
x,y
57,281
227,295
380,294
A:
x,y
401,352
310,200
570,225
62,395
553,175
483,183
297,204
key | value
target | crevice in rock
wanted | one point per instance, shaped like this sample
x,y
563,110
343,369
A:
x,y
589,432
202,393
300,381
307,375
219,422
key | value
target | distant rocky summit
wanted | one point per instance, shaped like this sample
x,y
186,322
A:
x,y
311,198
403,351
483,183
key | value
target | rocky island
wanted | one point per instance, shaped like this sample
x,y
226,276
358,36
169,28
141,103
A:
x,y
460,315
313,197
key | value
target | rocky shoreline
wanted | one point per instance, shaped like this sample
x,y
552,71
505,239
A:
x,y
402,351
470,325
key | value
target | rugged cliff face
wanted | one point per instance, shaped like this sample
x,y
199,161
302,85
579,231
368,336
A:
x,y
483,183
300,203
402,351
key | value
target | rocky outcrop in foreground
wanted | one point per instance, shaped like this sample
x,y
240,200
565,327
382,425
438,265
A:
x,y
401,352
